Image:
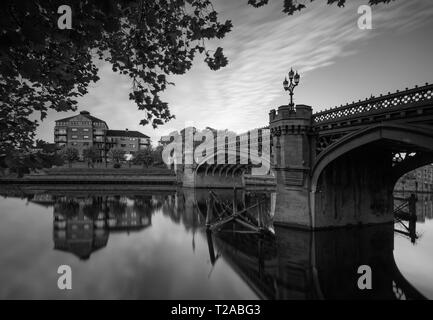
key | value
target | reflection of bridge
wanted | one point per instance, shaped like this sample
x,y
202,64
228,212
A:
x,y
338,167
323,265
298,264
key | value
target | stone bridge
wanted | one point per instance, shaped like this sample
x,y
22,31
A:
x,y
337,167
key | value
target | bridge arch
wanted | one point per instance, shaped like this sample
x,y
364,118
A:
x,y
409,135
230,170
398,136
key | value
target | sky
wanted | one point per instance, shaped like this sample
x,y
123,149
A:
x,y
337,61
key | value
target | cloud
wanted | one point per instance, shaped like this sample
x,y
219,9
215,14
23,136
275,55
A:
x,y
262,47
261,51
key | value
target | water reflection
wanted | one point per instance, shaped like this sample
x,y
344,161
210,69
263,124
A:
x,y
424,204
304,265
81,225
177,249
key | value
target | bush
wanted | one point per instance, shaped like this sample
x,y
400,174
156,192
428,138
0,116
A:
x,y
69,154
116,155
116,165
91,154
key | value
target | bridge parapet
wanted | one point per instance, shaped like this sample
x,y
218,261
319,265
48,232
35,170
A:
x,y
399,100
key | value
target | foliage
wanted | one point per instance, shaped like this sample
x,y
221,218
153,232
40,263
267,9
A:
x,y
143,156
43,67
91,154
291,6
24,162
69,154
45,146
157,154
116,154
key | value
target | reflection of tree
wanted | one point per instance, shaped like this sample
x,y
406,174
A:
x,y
117,206
93,207
67,207
143,205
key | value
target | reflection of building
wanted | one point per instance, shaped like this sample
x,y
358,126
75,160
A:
x,y
79,236
424,207
82,225
420,180
84,130
76,231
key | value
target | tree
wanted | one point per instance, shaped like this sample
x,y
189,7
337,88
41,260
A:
x,y
143,156
157,154
46,147
44,67
291,6
116,154
91,154
69,154
23,162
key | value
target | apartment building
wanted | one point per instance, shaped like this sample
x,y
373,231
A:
x,y
84,130
418,180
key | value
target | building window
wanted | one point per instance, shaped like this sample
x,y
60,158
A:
x,y
123,145
132,145
74,129
74,143
85,137
74,136
86,129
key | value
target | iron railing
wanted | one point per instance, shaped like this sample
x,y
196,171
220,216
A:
x,y
391,100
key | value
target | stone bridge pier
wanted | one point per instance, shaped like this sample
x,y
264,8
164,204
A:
x,y
291,161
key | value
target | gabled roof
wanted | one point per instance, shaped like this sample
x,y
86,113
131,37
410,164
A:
x,y
126,133
85,114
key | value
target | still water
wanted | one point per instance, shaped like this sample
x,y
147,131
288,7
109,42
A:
x,y
133,244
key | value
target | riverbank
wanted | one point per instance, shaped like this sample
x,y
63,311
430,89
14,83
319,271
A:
x,y
147,176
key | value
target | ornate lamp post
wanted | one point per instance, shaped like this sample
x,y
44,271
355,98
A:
x,y
294,81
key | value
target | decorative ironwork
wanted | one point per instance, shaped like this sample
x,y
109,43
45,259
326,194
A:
x,y
416,95
399,157
398,292
324,141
